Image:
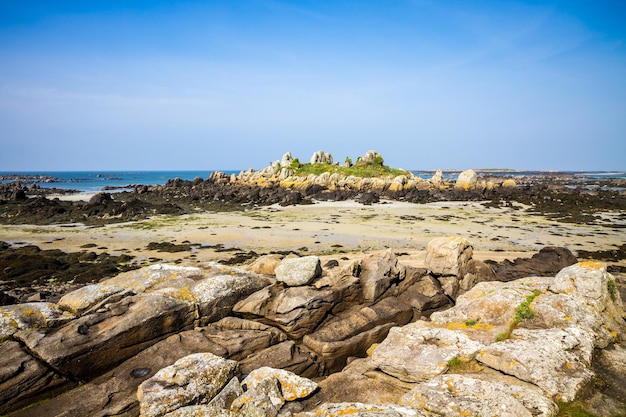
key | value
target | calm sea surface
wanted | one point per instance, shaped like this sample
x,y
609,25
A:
x,y
94,181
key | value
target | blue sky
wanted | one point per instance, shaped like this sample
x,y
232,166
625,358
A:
x,y
203,85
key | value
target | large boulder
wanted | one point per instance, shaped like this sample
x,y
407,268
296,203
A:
x,y
545,263
321,157
466,180
194,379
420,351
295,310
266,264
459,395
556,360
448,258
216,296
378,272
424,294
298,271
477,271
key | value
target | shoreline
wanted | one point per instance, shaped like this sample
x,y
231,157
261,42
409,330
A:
x,y
323,228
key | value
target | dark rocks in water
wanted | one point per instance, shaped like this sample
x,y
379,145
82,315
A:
x,y
547,262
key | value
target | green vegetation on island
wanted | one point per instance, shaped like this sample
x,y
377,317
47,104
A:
x,y
361,168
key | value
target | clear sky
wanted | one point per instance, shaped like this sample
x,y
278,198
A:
x,y
204,85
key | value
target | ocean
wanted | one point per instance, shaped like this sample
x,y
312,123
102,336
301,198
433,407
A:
x,y
95,181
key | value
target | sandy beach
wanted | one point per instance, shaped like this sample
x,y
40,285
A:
x,y
329,229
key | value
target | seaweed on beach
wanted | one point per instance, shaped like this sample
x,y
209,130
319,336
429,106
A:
x,y
28,267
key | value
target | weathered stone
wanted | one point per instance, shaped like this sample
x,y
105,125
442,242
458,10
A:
x,y
35,315
358,382
423,295
418,351
143,279
585,280
242,338
217,295
466,180
96,342
545,263
449,256
355,330
594,305
436,178
24,379
477,271
450,285
345,283
298,271
491,305
321,157
295,310
378,271
292,386
219,406
286,355
77,301
114,393
553,359
266,264
261,400
459,395
361,410
509,183
196,378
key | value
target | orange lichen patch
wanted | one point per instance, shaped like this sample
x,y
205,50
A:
x,y
592,265
371,349
478,326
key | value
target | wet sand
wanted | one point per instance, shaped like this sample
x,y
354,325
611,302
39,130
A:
x,y
329,229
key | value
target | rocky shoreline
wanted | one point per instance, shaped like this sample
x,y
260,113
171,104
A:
x,y
290,305
287,336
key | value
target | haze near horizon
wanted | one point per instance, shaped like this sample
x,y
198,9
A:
x,y
220,85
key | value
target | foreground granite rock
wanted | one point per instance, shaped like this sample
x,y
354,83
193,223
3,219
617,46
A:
x,y
225,341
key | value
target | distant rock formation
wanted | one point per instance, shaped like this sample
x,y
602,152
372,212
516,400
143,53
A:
x,y
321,157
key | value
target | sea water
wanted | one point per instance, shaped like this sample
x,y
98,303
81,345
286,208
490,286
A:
x,y
95,181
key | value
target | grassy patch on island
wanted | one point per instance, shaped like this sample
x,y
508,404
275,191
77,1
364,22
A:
x,y
363,169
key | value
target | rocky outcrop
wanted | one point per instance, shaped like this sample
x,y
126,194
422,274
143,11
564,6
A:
x,y
509,349
547,262
466,180
217,340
